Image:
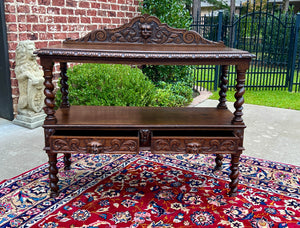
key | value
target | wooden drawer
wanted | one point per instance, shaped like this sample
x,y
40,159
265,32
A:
x,y
95,142
193,142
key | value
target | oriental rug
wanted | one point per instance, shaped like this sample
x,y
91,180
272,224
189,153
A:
x,y
148,190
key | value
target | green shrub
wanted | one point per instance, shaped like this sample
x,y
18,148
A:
x,y
172,95
108,85
169,74
121,85
172,12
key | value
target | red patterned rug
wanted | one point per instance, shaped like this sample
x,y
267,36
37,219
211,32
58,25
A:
x,y
149,190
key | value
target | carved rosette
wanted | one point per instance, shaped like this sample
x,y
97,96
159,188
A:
x,y
92,145
144,29
193,146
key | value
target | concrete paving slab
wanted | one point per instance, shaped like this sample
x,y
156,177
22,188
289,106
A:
x,y
271,133
21,149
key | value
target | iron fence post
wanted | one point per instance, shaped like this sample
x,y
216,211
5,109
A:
x,y
294,55
219,34
6,101
220,21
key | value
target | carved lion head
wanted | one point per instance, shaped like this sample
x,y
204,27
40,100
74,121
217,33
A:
x,y
25,51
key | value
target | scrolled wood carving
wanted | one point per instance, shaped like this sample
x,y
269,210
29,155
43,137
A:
x,y
129,145
122,145
93,145
161,145
168,145
228,145
194,145
144,29
64,145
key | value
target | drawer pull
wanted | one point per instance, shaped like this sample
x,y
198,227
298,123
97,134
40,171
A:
x,y
193,148
95,147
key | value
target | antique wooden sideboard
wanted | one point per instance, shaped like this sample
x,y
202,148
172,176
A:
x,y
143,41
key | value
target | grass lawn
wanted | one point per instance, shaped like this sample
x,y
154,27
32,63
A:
x,y
279,99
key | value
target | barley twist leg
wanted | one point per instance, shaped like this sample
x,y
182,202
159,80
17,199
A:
x,y
219,158
53,174
234,176
67,161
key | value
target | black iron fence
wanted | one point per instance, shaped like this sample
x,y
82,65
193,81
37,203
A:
x,y
264,30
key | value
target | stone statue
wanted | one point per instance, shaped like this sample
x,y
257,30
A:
x,y
31,88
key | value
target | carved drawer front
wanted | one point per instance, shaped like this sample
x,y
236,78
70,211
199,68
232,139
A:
x,y
94,144
193,142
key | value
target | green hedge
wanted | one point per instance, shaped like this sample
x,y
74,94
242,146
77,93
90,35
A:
x,y
109,85
172,95
121,85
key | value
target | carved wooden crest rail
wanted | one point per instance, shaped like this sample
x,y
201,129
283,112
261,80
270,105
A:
x,y
144,29
190,130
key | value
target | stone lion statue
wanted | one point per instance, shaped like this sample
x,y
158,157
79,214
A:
x,y
30,79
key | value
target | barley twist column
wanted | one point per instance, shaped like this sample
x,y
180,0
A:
x,y
48,91
237,120
65,103
218,160
234,176
222,105
240,90
67,161
64,85
223,88
50,120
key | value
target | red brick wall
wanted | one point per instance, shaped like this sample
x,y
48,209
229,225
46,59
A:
x,y
49,22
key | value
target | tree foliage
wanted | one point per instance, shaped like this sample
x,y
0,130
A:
x,y
175,14
172,12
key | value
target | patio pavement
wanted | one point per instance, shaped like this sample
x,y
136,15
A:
x,y
271,133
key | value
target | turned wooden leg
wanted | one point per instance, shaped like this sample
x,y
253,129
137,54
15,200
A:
x,y
67,161
240,90
49,92
234,176
219,158
64,85
53,174
223,88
